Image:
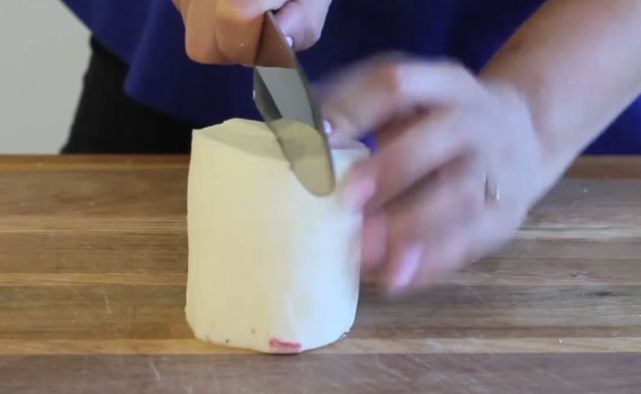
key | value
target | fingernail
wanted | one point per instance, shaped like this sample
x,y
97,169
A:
x,y
290,41
358,191
327,126
405,269
370,142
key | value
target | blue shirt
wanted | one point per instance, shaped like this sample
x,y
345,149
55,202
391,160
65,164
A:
x,y
149,36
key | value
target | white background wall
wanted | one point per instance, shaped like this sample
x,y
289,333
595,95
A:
x,y
44,51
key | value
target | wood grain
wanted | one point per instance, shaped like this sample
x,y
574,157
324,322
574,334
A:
x,y
327,373
93,265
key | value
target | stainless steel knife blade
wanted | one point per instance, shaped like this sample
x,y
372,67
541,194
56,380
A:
x,y
282,96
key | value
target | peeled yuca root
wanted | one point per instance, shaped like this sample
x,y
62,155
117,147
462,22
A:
x,y
272,267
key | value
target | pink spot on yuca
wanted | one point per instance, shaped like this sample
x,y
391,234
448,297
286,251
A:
x,y
278,346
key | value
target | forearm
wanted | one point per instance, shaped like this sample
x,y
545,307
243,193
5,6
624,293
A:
x,y
578,65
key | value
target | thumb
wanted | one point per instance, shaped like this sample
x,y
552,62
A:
x,y
302,21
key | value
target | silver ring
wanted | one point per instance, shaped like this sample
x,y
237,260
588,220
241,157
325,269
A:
x,y
492,192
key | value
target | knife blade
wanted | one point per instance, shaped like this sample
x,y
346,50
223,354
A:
x,y
283,98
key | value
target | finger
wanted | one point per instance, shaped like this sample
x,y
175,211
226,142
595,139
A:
x,y
179,4
428,215
200,34
466,242
369,96
374,241
224,31
395,127
302,21
443,258
406,263
413,154
493,230
238,26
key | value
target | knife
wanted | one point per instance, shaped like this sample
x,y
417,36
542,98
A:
x,y
283,98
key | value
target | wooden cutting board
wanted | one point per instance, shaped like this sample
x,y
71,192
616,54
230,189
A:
x,y
92,270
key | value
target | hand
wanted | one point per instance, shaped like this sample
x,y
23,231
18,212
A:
x,y
227,31
442,133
